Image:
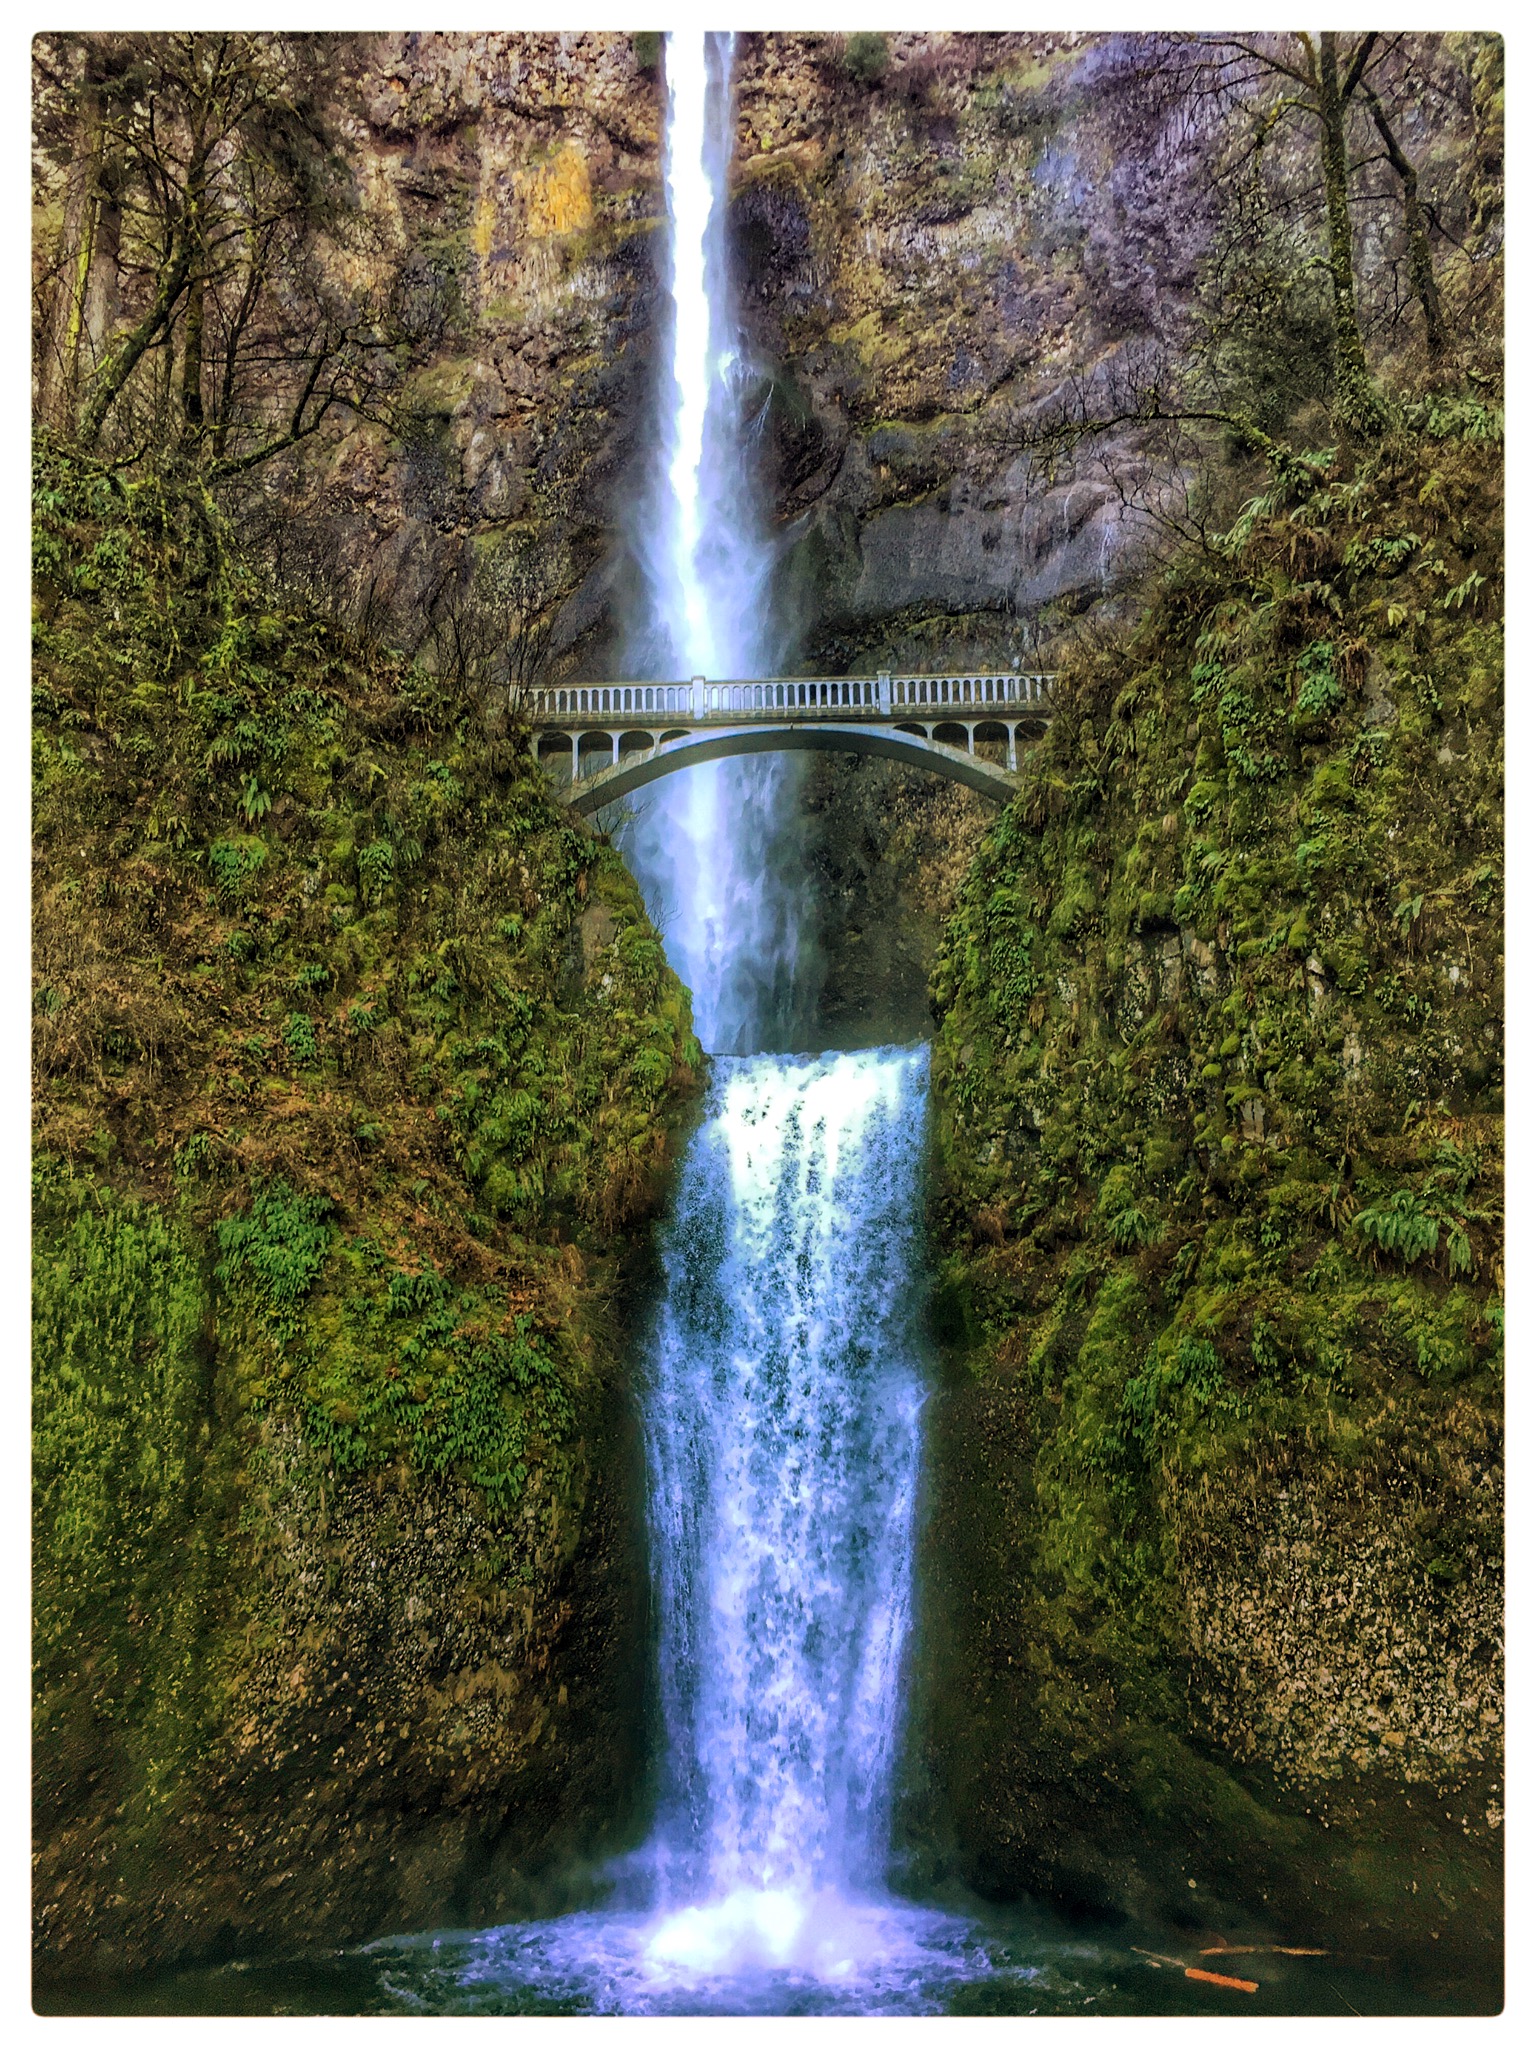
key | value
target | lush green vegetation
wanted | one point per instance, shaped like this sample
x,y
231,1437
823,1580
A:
x,y
312,946
1220,1113
355,1056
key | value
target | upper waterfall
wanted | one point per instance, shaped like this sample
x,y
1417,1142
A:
x,y
716,851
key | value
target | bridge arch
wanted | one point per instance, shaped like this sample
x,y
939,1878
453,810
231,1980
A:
x,y
554,750
635,771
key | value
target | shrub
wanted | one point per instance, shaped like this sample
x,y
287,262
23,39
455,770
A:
x,y
866,57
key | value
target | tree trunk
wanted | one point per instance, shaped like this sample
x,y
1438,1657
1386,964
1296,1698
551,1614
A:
x,y
1421,268
103,295
183,264
58,368
193,228
1357,406
192,358
123,359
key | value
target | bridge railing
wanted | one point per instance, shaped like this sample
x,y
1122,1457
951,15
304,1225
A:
x,y
792,698
968,693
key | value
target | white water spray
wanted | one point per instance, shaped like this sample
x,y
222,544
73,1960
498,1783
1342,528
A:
x,y
783,1430
713,846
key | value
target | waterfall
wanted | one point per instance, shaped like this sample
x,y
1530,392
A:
x,y
714,847
783,1432
782,1435
783,1396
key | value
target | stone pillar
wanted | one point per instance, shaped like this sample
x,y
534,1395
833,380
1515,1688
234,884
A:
x,y
696,697
884,679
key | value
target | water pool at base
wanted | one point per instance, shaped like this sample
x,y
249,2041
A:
x,y
757,1956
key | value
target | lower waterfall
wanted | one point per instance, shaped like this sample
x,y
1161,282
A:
x,y
782,1428
783,1451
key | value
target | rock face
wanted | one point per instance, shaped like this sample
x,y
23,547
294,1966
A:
x,y
936,241
917,265
888,851
1214,1624
922,260
508,189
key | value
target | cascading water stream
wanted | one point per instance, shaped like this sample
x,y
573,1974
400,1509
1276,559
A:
x,y
782,1421
783,1434
714,847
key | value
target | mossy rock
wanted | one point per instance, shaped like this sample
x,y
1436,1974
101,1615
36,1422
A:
x,y
1218,1116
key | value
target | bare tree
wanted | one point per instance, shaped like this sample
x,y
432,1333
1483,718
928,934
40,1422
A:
x,y
1421,265
490,617
1263,82
206,197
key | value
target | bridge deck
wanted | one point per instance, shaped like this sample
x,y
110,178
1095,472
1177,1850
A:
x,y
616,737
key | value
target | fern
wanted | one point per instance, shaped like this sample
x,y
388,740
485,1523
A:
x,y
1402,1227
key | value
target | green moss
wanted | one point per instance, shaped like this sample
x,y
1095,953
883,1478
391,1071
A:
x,y
346,1101
866,57
120,1308
1218,1112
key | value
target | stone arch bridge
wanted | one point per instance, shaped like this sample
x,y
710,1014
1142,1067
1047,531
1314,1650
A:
x,y
602,741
